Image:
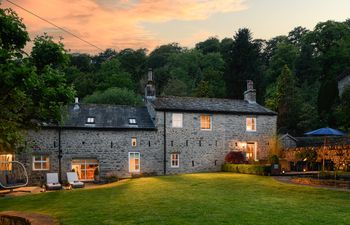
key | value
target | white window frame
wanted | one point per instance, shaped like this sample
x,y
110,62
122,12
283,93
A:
x,y
172,160
41,161
210,123
139,164
251,119
132,121
134,141
90,120
177,122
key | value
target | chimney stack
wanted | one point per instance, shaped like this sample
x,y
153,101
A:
x,y
250,93
150,90
76,103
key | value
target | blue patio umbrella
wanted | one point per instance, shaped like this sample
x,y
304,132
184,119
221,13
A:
x,y
325,131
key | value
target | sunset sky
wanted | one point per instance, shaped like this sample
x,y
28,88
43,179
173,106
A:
x,y
123,24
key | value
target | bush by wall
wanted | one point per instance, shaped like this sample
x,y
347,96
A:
x,y
247,168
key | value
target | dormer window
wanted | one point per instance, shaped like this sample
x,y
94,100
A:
x,y
132,121
90,120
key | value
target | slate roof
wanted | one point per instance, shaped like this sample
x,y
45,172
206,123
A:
x,y
108,117
215,105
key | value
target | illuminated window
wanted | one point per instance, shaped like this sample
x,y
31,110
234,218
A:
x,y
132,121
5,162
90,120
251,124
85,168
41,162
205,122
133,142
174,160
177,120
134,162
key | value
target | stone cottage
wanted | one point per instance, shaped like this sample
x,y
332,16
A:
x,y
169,135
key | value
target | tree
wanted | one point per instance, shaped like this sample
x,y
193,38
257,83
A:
x,y
13,34
287,102
284,54
26,97
343,110
82,62
328,98
211,45
46,52
175,87
114,95
110,74
245,64
133,62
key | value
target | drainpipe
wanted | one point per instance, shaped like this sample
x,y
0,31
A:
x,y
59,155
164,160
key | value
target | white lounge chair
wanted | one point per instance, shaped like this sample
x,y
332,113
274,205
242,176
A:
x,y
52,182
74,181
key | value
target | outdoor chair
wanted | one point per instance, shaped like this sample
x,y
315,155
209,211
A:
x,y
52,182
74,181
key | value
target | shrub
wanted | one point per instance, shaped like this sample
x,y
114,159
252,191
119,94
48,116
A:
x,y
274,159
236,157
247,169
114,95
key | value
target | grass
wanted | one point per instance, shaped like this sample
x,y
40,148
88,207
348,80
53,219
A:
x,y
207,198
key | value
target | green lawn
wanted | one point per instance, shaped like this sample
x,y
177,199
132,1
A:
x,y
208,198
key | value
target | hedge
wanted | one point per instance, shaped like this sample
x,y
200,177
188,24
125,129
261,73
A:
x,y
247,168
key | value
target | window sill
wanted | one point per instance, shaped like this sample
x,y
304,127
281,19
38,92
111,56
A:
x,y
251,131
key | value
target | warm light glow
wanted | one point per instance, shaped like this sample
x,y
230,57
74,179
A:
x,y
205,122
3,161
133,141
85,168
134,162
251,124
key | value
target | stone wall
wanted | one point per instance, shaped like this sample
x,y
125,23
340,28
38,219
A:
x,y
202,150
198,150
109,148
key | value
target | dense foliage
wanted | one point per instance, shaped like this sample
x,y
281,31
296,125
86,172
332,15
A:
x,y
31,90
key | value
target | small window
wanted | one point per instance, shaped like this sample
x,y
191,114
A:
x,y
5,162
175,160
177,120
40,162
251,124
132,121
90,120
134,162
133,142
205,122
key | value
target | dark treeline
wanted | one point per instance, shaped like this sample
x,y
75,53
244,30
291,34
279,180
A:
x,y
295,75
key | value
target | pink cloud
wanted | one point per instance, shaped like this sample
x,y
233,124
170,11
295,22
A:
x,y
115,23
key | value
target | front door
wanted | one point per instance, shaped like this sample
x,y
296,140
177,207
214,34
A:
x,y
250,151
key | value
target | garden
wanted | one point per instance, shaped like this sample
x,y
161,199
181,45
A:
x,y
204,198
